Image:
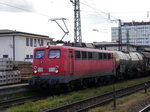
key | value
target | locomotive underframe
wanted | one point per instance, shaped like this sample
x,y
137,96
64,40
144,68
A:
x,y
50,81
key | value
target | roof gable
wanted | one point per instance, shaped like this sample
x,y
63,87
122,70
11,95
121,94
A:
x,y
24,34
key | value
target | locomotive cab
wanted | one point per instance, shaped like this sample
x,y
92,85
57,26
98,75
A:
x,y
50,66
46,62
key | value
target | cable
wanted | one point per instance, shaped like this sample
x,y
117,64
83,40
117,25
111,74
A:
x,y
15,7
26,10
99,11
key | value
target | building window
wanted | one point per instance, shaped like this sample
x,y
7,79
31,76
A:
x,y
35,44
31,42
39,42
42,43
5,56
27,56
31,56
27,41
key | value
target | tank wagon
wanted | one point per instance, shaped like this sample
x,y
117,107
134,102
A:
x,y
128,62
65,65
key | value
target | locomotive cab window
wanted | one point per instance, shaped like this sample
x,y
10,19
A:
x,y
84,55
54,54
77,55
109,56
105,55
100,56
39,54
95,55
90,56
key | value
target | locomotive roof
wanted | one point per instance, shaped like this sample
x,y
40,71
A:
x,y
75,48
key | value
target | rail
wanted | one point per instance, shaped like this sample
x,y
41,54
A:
x,y
86,104
15,102
146,109
10,91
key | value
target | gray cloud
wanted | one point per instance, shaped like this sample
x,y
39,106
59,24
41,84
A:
x,y
95,17
16,6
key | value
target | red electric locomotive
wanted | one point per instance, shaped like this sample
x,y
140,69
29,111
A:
x,y
58,65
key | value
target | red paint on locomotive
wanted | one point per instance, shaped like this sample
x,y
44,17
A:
x,y
68,64
63,64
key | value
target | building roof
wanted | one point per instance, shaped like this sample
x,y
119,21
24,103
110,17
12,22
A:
x,y
19,33
105,43
116,44
135,23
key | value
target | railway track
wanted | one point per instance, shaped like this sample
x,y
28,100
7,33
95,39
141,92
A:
x,y
146,109
19,101
9,94
86,104
15,102
10,91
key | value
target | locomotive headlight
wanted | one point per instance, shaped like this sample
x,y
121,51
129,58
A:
x,y
47,47
35,71
56,71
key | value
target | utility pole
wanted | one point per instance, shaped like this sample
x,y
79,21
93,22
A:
x,y
120,35
77,21
127,34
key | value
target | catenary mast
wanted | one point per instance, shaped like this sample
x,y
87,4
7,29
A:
x,y
77,21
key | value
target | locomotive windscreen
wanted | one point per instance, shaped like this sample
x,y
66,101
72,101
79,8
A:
x,y
54,54
39,54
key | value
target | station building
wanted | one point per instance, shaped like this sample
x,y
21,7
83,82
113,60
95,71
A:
x,y
19,45
118,47
135,33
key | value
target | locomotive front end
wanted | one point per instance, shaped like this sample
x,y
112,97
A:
x,y
48,67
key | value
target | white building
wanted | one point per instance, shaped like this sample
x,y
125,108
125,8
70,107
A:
x,y
138,33
19,45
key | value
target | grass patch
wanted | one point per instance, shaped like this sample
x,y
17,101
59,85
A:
x,y
54,101
124,104
20,95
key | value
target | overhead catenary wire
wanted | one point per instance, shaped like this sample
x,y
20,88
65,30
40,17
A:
x,y
99,12
109,14
26,10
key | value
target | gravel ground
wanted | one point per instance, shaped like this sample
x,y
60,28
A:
x,y
140,106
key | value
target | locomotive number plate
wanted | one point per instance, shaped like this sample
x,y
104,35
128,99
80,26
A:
x,y
44,73
40,69
52,69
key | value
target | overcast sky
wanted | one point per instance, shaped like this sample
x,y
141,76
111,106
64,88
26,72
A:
x,y
34,16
